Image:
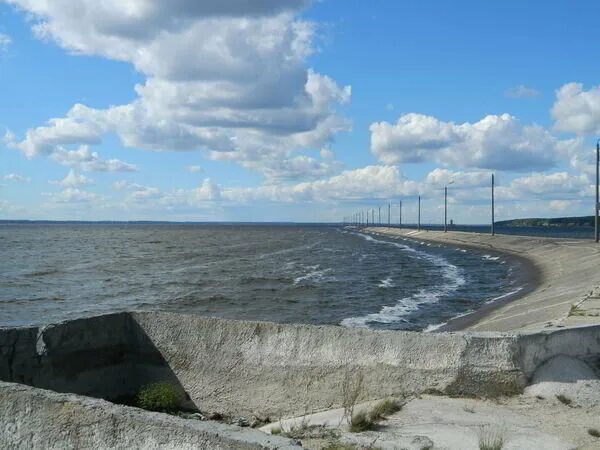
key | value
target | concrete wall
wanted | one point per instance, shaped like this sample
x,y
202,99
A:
x,y
32,418
246,368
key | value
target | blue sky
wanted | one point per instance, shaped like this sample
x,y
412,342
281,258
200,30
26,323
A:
x,y
296,110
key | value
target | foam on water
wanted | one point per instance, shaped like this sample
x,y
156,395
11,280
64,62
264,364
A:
x,y
452,276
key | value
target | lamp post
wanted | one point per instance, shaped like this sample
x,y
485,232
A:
x,y
400,214
446,206
596,231
493,219
419,215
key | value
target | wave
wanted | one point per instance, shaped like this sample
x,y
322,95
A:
x,y
315,275
451,274
437,326
386,283
490,258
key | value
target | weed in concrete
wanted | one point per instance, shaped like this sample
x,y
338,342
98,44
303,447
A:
x,y
163,397
490,438
594,432
352,387
305,431
361,421
564,400
385,408
276,430
469,409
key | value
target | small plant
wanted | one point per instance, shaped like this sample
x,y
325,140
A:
x,y
361,421
490,439
163,397
385,408
352,387
469,409
594,432
564,400
276,430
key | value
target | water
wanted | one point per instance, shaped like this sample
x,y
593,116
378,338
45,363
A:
x,y
301,274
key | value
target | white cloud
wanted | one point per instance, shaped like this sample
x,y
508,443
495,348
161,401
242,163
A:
x,y
73,195
73,180
17,178
226,77
86,160
560,205
558,185
5,42
460,180
371,182
521,91
495,142
194,169
576,110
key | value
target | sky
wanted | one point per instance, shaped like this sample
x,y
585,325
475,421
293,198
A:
x,y
297,110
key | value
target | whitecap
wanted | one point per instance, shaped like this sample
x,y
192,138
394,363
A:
x,y
451,274
490,258
314,275
386,283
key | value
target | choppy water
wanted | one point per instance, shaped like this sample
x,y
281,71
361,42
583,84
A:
x,y
307,274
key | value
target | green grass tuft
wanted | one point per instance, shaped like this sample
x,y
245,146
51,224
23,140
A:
x,y
384,408
490,439
361,421
163,397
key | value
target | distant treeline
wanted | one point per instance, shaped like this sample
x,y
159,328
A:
x,y
557,222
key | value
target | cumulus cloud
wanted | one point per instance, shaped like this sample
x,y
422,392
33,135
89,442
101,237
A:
x,y
521,91
72,195
226,77
88,161
576,110
494,142
370,182
17,178
558,185
73,180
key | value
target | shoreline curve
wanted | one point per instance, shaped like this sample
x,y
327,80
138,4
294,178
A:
x,y
558,276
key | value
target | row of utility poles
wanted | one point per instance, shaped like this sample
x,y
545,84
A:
x,y
361,218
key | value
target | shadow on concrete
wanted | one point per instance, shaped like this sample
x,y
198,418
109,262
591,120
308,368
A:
x,y
108,357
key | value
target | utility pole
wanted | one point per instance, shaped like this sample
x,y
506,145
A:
x,y
372,216
379,216
419,216
445,209
400,215
493,218
596,230
389,215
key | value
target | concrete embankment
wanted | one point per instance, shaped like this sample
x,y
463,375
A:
x,y
250,368
565,272
33,418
